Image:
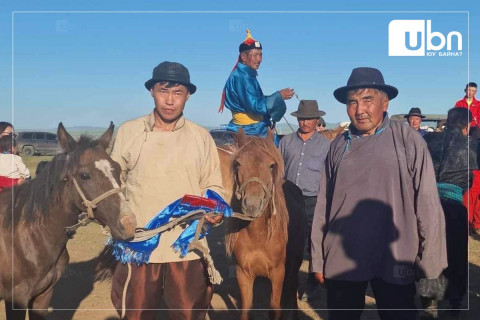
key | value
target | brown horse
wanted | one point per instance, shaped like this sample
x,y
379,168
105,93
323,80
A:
x,y
331,134
33,218
273,214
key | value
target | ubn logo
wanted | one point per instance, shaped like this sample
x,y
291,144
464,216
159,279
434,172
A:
x,y
408,38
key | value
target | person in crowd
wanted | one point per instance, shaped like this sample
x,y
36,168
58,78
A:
x,y
471,103
251,109
6,128
378,218
304,155
162,157
414,119
454,160
12,169
321,125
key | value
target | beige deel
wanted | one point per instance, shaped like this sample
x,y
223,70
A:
x,y
160,167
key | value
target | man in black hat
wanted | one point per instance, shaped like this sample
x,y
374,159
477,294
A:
x,y
304,154
164,156
378,218
414,118
242,95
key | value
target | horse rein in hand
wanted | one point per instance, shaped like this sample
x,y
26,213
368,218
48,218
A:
x,y
86,217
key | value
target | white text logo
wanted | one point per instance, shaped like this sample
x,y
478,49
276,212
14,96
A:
x,y
415,38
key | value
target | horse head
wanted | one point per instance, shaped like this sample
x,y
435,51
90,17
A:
x,y
258,167
92,180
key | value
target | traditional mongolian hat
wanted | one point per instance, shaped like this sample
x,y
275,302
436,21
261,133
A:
x,y
249,43
414,112
365,78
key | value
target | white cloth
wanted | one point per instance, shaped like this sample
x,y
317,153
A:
x,y
12,166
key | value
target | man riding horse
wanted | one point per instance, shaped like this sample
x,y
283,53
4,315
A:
x,y
242,95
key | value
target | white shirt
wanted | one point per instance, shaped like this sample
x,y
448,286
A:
x,y
12,166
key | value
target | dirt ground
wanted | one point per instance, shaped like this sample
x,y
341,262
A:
x,y
77,297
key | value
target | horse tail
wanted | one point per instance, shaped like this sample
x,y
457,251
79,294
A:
x,y
105,266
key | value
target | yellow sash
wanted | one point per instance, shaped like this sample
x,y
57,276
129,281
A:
x,y
244,119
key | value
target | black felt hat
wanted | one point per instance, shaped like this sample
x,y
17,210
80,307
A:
x,y
365,78
414,112
172,72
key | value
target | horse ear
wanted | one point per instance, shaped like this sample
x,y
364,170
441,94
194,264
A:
x,y
65,139
240,137
270,135
106,137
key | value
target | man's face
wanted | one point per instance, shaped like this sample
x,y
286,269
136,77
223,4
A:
x,y
307,125
470,92
252,58
414,122
169,102
365,108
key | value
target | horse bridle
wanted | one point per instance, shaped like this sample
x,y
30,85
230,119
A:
x,y
239,194
86,217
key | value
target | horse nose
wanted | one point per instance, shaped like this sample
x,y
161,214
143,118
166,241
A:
x,y
129,224
252,205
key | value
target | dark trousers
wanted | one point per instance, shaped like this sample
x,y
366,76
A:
x,y
343,295
181,286
310,203
456,223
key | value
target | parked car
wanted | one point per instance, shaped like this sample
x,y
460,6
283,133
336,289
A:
x,y
222,137
38,143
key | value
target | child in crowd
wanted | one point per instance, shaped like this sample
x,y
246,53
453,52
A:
x,y
11,165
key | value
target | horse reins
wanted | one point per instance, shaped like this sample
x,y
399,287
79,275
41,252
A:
x,y
86,217
238,193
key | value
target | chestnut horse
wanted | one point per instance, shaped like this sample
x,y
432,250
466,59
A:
x,y
34,217
331,134
269,238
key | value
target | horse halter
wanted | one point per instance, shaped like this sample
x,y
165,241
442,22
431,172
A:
x,y
86,217
239,194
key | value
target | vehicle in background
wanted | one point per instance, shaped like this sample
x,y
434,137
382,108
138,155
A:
x,y
222,137
38,143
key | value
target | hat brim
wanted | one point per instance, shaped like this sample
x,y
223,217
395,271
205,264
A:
x,y
308,115
341,93
150,83
414,115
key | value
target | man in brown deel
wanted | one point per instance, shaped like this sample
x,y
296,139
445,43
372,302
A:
x,y
163,156
378,217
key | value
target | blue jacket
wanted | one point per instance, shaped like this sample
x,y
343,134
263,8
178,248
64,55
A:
x,y
244,95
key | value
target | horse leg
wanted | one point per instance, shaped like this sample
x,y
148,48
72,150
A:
x,y
39,305
14,314
245,283
276,277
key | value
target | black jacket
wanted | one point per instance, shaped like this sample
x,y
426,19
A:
x,y
452,156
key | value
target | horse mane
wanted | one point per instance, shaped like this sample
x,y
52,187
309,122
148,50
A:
x,y
33,200
276,215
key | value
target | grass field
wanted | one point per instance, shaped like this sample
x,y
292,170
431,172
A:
x,y
77,297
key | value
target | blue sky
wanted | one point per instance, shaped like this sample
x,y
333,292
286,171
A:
x,y
86,68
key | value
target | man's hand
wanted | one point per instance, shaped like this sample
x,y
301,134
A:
x,y
287,93
214,219
21,180
319,277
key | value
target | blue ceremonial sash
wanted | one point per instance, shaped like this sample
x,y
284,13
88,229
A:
x,y
139,252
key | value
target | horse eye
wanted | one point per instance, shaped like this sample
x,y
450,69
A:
x,y
236,164
84,176
272,166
